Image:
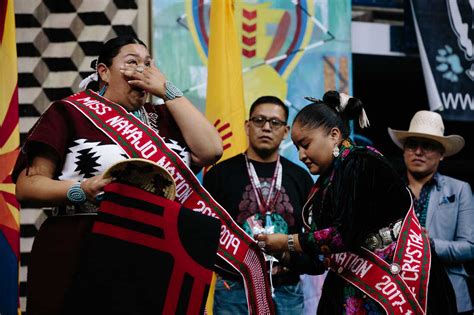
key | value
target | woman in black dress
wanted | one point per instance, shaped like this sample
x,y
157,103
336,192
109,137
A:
x,y
355,211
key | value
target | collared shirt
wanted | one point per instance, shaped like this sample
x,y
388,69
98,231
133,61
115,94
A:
x,y
421,204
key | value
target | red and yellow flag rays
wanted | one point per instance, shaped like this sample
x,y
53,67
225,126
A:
x,y
9,142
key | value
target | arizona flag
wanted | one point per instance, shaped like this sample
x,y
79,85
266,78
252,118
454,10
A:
x,y
9,142
225,106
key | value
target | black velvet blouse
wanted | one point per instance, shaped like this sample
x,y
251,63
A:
x,y
361,194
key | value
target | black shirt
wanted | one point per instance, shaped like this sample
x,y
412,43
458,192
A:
x,y
229,183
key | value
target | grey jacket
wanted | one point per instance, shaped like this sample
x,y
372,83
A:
x,y
450,223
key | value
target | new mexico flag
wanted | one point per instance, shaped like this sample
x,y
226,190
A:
x,y
225,106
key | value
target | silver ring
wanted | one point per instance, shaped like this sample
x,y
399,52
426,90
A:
x,y
99,196
139,69
261,244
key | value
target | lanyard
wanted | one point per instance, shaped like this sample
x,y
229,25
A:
x,y
275,186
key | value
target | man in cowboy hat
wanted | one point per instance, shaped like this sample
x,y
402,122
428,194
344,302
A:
x,y
444,205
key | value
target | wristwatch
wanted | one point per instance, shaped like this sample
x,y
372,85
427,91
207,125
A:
x,y
171,91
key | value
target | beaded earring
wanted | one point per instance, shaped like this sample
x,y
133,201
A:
x,y
335,151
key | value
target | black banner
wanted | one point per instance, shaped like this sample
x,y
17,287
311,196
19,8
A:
x,y
445,35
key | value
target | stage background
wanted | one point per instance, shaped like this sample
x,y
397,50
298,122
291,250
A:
x,y
315,35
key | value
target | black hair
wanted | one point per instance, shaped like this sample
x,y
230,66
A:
x,y
110,49
328,114
268,99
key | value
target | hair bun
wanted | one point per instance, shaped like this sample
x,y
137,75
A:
x,y
332,99
347,107
353,109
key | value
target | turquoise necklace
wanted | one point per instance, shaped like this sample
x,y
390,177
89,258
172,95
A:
x,y
141,115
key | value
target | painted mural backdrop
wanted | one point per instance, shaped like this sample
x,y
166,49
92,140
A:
x,y
289,49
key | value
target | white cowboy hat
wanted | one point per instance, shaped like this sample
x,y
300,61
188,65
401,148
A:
x,y
428,125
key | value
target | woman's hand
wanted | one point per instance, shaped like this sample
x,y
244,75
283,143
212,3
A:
x,y
274,243
94,186
150,79
199,134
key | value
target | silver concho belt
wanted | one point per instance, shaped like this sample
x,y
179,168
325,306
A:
x,y
384,237
87,208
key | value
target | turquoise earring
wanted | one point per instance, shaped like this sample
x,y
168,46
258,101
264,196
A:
x,y
103,89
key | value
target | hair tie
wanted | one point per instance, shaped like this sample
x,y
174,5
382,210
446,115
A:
x,y
343,100
93,77
85,82
363,119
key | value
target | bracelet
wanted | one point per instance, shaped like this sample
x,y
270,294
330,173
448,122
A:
x,y
171,91
291,244
76,195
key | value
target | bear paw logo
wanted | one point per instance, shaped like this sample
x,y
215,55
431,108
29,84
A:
x,y
449,64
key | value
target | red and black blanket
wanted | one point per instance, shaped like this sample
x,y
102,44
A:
x,y
145,255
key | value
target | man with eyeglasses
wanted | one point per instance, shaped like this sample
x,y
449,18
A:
x,y
444,205
264,193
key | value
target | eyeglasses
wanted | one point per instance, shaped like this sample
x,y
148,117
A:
x,y
260,121
426,146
